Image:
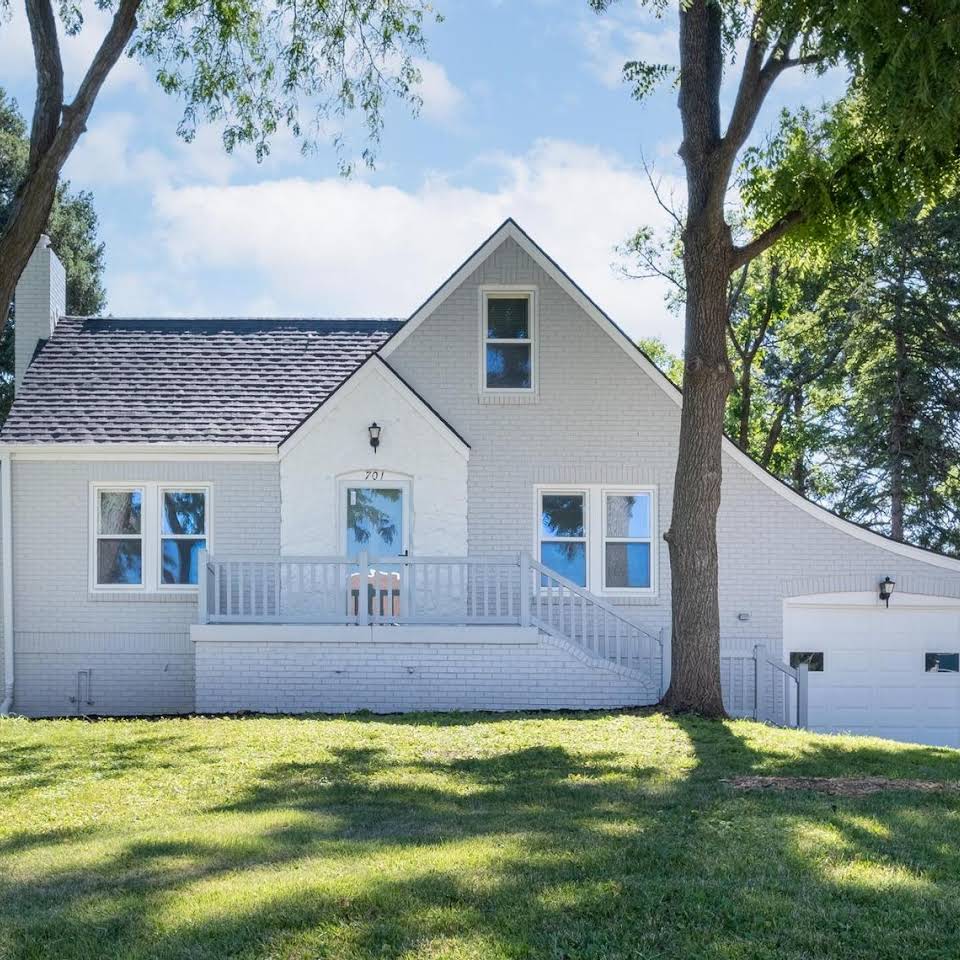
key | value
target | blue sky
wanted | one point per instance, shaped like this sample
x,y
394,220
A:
x,y
524,115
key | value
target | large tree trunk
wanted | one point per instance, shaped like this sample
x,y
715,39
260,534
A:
x,y
695,681
707,263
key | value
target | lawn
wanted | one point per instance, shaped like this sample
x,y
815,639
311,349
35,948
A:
x,y
542,836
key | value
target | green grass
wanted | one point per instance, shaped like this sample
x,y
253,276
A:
x,y
542,836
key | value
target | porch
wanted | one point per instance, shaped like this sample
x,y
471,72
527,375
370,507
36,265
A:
x,y
507,590
390,633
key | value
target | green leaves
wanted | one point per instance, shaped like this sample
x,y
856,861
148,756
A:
x,y
645,77
256,66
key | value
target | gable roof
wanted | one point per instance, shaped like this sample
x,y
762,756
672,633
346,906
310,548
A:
x,y
186,381
510,229
244,381
376,363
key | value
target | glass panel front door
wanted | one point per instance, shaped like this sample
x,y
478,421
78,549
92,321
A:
x,y
375,523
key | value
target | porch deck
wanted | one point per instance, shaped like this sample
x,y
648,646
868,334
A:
x,y
506,590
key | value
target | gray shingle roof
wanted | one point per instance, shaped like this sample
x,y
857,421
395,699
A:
x,y
145,380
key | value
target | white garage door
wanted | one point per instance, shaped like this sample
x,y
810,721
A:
x,y
890,672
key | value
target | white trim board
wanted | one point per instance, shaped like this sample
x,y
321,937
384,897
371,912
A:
x,y
509,229
166,452
860,599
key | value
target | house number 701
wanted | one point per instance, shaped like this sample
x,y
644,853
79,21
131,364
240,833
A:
x,y
374,475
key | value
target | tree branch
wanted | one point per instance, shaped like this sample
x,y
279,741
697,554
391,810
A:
x,y
763,241
112,46
46,58
756,79
31,206
736,293
767,317
745,106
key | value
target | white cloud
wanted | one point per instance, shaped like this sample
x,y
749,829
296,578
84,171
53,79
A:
x,y
111,154
612,40
442,99
336,247
76,52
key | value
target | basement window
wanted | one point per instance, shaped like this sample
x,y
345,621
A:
x,y
942,663
812,659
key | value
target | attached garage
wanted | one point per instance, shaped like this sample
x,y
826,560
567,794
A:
x,y
885,671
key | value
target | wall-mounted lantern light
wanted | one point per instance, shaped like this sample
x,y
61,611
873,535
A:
x,y
374,431
886,589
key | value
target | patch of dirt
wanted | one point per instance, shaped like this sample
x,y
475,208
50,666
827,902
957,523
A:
x,y
838,786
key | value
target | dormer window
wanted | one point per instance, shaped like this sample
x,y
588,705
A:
x,y
508,319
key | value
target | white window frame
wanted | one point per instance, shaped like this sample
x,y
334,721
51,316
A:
x,y
489,292
163,488
359,479
621,491
151,538
595,504
585,539
96,536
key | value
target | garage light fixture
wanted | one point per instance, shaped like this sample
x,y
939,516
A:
x,y
374,431
886,589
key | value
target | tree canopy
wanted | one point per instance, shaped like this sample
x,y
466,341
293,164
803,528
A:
x,y
816,176
250,66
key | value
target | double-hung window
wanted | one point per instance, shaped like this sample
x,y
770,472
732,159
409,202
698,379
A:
x,y
599,537
508,324
563,534
627,541
148,536
118,542
183,531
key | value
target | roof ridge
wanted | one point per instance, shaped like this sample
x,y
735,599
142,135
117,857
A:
x,y
239,319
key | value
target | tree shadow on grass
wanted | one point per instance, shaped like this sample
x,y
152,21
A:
x,y
542,851
25,767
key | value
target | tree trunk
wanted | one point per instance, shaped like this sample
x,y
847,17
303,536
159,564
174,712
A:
x,y
29,215
800,463
898,429
746,401
695,663
707,265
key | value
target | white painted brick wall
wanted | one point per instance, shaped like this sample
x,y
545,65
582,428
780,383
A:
x,y
600,419
137,645
289,677
41,299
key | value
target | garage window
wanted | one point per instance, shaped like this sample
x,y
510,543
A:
x,y
812,659
943,663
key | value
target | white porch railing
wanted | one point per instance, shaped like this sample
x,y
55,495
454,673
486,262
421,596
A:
x,y
565,610
513,589
365,590
784,689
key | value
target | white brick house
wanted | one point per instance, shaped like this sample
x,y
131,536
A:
x,y
194,517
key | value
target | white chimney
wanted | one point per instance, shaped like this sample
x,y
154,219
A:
x,y
40,301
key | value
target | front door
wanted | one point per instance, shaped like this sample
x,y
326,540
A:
x,y
376,523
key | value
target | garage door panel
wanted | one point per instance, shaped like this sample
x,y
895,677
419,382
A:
x,y
874,679
942,698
